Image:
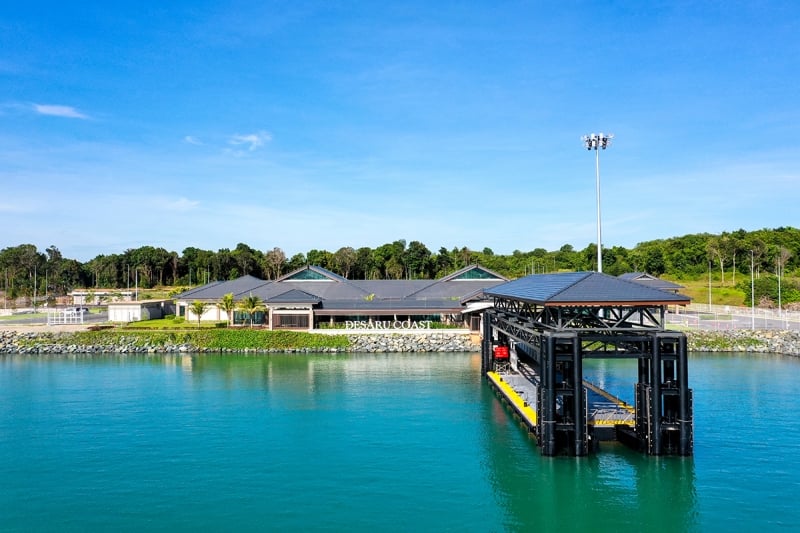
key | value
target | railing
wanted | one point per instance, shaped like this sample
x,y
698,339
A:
x,y
57,317
728,317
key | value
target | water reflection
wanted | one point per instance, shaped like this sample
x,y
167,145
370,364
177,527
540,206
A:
x,y
615,490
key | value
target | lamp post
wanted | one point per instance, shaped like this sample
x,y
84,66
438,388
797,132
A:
x,y
752,292
598,142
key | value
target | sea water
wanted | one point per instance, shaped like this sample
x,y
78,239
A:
x,y
372,442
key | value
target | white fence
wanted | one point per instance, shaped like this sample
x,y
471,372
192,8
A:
x,y
725,317
56,317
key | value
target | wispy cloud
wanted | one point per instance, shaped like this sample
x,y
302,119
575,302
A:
x,y
180,204
64,111
252,140
9,207
190,139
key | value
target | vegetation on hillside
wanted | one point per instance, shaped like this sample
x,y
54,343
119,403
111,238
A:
x,y
726,258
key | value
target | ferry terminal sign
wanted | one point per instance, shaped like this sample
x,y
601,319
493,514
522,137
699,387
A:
x,y
387,324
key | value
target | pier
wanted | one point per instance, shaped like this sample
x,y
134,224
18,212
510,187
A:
x,y
542,327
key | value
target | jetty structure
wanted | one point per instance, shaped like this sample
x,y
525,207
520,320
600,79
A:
x,y
541,328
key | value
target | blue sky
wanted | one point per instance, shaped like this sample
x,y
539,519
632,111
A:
x,y
317,125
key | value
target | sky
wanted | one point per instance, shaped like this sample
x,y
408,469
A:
x,y
317,125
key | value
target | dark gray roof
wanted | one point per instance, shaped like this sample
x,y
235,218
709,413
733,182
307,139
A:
x,y
322,290
215,290
462,272
651,281
294,296
324,272
582,288
394,288
331,291
414,307
460,288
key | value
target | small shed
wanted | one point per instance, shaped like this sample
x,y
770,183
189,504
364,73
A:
x,y
140,310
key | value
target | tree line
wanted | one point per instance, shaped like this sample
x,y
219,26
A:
x,y
771,251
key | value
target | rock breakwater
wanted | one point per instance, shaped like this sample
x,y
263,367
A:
x,y
760,341
54,343
766,341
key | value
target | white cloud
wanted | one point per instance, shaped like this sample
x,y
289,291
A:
x,y
58,111
14,208
181,204
253,140
192,140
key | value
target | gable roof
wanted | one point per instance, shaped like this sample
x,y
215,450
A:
x,y
327,290
294,296
461,283
311,273
217,289
473,272
583,288
651,281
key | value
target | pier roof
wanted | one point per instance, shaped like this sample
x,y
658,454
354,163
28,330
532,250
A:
x,y
583,289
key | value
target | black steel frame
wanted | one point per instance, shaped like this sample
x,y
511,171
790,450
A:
x,y
556,339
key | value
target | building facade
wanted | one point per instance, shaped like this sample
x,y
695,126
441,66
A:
x,y
316,298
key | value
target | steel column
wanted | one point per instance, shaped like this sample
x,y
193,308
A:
x,y
548,407
486,342
685,420
578,399
654,446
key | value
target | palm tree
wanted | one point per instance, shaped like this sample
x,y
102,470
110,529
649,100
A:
x,y
228,305
250,305
198,308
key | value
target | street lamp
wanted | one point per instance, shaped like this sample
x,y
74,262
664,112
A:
x,y
752,292
597,142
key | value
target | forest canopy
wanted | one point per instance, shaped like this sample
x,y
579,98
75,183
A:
x,y
687,257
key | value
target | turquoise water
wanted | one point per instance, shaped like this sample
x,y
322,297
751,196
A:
x,y
393,442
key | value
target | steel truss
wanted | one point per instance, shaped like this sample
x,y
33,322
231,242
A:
x,y
555,340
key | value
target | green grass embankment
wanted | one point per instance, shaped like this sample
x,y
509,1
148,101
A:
x,y
210,339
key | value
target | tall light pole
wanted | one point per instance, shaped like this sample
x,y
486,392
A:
x,y
598,142
752,292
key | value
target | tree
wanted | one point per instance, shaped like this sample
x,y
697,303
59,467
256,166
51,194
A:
x,y
715,250
344,259
417,258
273,263
381,257
365,264
198,308
320,258
228,304
296,262
443,263
251,305
247,260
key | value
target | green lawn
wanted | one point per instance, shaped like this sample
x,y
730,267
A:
x,y
726,294
172,324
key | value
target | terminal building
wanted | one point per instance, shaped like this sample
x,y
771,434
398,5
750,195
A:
x,y
313,297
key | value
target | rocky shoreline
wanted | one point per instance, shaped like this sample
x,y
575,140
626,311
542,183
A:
x,y
40,342
782,342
